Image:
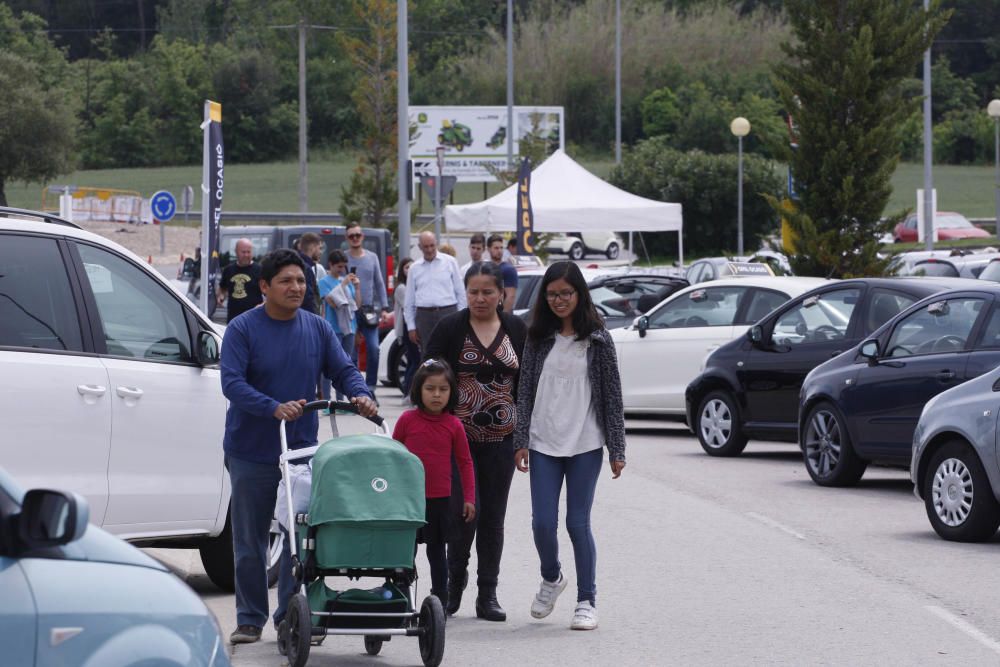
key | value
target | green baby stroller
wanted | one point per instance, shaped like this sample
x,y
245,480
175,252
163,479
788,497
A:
x,y
365,506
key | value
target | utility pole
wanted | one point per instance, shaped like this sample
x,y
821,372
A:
x,y
928,203
618,81
303,130
510,84
403,126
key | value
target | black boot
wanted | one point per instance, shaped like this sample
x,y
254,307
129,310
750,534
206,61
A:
x,y
487,606
456,585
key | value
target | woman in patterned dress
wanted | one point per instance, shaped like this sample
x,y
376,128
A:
x,y
483,345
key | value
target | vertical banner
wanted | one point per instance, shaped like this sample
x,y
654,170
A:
x,y
213,163
525,217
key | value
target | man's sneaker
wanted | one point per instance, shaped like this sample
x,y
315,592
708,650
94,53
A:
x,y
585,616
545,599
245,634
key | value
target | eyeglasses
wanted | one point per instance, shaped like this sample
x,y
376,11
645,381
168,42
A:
x,y
564,295
355,235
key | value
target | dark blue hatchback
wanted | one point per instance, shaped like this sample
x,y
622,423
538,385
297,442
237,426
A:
x,y
863,405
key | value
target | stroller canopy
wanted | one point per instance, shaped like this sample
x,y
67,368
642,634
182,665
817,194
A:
x,y
366,478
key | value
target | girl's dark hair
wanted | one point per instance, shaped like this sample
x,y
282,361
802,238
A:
x,y
400,273
274,261
429,368
586,319
336,257
486,269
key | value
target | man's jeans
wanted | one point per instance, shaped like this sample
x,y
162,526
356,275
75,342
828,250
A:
x,y
370,335
254,489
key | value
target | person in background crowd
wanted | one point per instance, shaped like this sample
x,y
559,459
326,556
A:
x,y
374,302
434,290
410,349
569,407
477,246
342,298
309,245
484,346
495,246
510,251
240,281
448,249
433,433
272,359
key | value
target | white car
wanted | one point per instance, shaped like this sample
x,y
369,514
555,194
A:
x,y
111,388
577,245
664,350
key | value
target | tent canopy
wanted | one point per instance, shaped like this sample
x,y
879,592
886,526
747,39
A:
x,y
565,197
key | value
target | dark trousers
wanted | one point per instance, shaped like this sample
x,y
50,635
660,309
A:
x,y
412,353
427,319
494,467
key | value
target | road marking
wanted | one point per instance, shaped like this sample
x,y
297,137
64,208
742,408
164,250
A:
x,y
966,627
768,521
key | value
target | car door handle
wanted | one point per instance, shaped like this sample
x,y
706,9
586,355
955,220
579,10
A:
x,y
944,376
129,392
91,389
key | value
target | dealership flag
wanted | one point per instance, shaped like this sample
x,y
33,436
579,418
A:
x,y
525,218
213,162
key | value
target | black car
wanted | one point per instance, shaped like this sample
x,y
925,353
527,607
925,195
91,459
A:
x,y
863,406
750,386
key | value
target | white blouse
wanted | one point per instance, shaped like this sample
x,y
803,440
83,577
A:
x,y
563,421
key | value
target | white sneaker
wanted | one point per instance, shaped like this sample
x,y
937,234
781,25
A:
x,y
545,599
585,616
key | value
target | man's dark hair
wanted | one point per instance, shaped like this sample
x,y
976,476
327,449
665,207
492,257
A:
x,y
512,244
586,319
309,239
493,239
429,368
352,225
477,238
336,257
485,269
274,261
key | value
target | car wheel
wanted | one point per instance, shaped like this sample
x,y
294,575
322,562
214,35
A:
x,y
826,447
957,495
396,357
612,251
719,429
218,561
576,251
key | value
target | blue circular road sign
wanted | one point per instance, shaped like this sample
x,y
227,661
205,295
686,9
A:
x,y
164,206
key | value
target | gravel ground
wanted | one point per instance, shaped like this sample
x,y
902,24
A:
x,y
144,240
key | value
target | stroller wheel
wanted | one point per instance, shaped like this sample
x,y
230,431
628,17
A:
x,y
432,631
299,630
283,637
373,645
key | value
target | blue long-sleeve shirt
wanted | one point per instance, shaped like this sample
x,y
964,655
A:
x,y
266,362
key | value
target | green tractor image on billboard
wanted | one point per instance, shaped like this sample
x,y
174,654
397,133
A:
x,y
454,134
496,141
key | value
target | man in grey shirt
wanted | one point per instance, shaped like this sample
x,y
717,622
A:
x,y
374,304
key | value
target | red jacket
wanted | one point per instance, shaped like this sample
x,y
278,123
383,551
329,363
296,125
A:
x,y
435,439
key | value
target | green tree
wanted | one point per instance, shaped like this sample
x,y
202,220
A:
x,y
843,84
372,191
36,125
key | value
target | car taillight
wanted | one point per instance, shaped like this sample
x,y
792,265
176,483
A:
x,y
390,275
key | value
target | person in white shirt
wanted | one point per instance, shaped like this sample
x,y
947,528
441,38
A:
x,y
434,290
477,246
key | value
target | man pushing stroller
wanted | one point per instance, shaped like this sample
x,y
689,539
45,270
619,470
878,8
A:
x,y
273,357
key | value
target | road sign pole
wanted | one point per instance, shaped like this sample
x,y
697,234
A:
x,y
163,243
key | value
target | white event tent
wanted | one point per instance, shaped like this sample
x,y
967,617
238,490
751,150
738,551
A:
x,y
565,197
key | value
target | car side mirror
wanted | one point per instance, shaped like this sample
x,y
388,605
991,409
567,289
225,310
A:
x,y
756,334
51,518
642,324
869,350
207,349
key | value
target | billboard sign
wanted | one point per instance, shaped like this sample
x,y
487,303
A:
x,y
475,138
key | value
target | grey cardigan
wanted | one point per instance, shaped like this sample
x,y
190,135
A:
x,y
605,383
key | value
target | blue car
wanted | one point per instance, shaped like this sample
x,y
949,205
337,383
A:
x,y
71,594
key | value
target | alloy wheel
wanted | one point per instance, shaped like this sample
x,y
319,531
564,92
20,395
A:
x,y
716,423
823,440
952,492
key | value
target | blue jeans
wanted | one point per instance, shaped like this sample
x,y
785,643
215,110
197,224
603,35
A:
x,y
547,474
347,342
370,335
251,508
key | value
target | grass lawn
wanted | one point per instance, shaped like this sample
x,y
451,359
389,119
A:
x,y
274,186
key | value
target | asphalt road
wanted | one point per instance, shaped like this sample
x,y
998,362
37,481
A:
x,y
716,562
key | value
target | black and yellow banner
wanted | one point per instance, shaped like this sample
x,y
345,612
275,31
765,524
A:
x,y
213,164
525,217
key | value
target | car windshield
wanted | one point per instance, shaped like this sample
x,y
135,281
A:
x,y
935,268
622,297
953,221
991,272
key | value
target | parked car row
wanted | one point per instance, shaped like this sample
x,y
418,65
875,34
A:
x,y
862,372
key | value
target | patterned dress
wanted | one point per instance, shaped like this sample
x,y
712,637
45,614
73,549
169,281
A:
x,y
486,388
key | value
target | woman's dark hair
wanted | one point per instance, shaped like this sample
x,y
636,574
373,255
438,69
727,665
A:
x,y
400,273
544,322
274,261
336,257
485,269
429,368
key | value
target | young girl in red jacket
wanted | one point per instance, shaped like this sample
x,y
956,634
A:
x,y
435,435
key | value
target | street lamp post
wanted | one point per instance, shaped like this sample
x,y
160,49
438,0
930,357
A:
x,y
741,128
437,192
993,109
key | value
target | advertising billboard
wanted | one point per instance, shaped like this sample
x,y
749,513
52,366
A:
x,y
475,138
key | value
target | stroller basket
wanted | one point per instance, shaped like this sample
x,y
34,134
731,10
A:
x,y
384,607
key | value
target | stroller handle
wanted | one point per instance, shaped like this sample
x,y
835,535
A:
x,y
340,405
